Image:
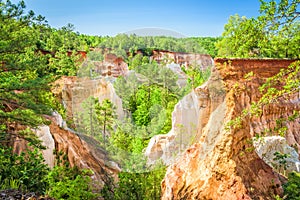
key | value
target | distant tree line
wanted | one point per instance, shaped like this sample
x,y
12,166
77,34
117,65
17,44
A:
x,y
132,43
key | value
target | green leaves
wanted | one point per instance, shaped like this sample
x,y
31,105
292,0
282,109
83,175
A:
x,y
70,183
196,76
241,38
23,78
279,87
275,33
135,186
132,43
27,169
96,118
292,187
106,116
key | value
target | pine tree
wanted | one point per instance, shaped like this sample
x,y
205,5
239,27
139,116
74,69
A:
x,y
24,87
106,115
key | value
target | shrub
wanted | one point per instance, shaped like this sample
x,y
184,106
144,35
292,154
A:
x,y
70,183
292,187
26,171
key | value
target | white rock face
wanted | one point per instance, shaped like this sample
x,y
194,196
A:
x,y
182,78
43,133
266,147
167,147
59,120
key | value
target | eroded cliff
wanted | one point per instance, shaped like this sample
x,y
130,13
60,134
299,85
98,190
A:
x,y
80,150
73,91
85,153
168,147
221,164
204,61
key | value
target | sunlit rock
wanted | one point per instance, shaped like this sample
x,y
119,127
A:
x,y
267,147
44,134
168,147
222,164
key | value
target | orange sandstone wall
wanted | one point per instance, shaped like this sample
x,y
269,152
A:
x,y
221,164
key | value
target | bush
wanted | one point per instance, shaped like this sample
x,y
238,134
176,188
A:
x,y
26,171
70,183
292,187
135,186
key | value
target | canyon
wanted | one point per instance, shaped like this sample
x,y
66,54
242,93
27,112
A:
x,y
205,159
82,151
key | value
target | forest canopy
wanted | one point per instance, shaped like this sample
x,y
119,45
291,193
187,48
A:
x,y
273,34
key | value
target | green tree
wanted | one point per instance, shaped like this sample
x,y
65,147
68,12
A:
x,y
126,88
195,75
95,56
25,97
24,82
241,38
64,63
135,186
272,34
106,115
292,187
209,44
86,119
70,183
96,117
138,60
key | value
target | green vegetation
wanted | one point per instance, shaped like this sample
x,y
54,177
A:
x,y
96,118
23,82
122,43
33,55
131,43
196,76
149,95
69,183
274,34
25,77
135,186
292,187
25,171
28,172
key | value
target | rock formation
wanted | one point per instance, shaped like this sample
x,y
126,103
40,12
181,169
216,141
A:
x,y
111,66
267,147
84,152
182,77
221,164
204,61
81,151
168,147
73,91
43,133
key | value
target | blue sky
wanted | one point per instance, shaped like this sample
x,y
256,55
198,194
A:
x,y
110,17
